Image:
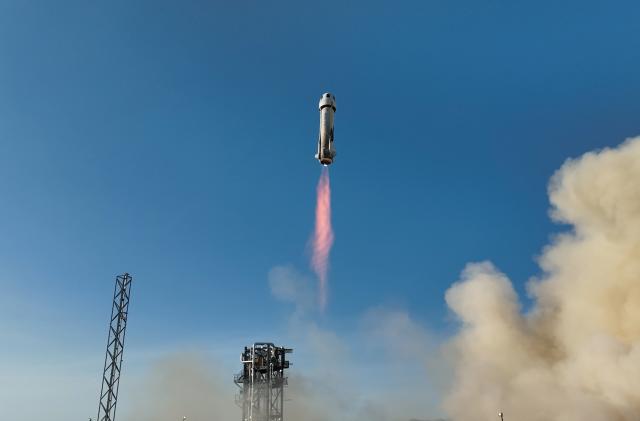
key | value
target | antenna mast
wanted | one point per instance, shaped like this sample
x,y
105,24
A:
x,y
115,348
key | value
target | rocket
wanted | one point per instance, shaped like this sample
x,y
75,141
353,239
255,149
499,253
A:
x,y
327,107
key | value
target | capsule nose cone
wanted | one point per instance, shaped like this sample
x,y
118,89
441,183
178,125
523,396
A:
x,y
327,100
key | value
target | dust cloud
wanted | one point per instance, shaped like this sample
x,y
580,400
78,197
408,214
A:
x,y
575,355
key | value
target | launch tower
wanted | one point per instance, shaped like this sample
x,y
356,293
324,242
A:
x,y
262,382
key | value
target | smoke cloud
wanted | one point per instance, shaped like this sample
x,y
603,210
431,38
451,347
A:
x,y
323,236
575,355
372,371
184,384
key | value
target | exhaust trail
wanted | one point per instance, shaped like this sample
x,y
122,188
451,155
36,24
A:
x,y
323,236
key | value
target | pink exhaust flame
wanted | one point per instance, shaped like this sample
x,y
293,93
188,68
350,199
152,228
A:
x,y
323,237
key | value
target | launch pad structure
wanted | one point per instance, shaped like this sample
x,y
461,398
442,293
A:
x,y
262,382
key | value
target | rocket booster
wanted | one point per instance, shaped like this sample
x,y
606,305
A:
x,y
327,107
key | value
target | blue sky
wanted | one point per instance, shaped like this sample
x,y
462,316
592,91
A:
x,y
175,141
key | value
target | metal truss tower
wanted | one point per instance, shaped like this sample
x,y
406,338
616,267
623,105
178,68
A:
x,y
115,347
262,382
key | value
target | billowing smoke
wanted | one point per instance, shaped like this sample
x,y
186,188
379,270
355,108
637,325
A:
x,y
575,355
184,384
323,235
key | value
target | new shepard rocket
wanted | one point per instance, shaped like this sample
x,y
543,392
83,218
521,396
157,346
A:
x,y
326,152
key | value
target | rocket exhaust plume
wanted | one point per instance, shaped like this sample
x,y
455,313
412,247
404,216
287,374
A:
x,y
323,236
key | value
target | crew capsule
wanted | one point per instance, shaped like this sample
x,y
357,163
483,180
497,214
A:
x,y
327,107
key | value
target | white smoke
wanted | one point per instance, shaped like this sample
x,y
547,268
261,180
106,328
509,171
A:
x,y
290,286
575,356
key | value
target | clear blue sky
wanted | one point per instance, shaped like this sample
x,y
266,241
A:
x,y
175,141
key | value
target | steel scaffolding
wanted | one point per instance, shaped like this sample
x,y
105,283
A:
x,y
115,347
262,382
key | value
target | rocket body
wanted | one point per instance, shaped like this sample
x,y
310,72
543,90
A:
x,y
326,151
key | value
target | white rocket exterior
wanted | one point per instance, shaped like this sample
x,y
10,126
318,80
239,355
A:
x,y
327,107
